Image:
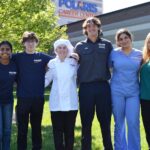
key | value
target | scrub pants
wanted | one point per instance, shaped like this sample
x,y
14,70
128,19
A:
x,y
126,107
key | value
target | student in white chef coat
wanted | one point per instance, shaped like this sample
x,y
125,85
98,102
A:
x,y
63,99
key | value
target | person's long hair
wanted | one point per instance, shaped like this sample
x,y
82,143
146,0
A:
x,y
146,50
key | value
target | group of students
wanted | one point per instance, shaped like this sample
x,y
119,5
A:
x,y
108,81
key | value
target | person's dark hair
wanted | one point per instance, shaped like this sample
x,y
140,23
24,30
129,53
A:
x,y
95,21
29,35
6,43
123,31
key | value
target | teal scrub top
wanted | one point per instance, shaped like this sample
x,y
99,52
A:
x,y
145,81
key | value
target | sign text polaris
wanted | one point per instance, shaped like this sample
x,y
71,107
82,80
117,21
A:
x,y
78,5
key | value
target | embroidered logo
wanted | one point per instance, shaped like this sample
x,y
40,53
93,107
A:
x,y
37,60
12,72
100,45
73,65
136,57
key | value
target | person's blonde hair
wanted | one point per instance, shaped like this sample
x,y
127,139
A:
x,y
146,51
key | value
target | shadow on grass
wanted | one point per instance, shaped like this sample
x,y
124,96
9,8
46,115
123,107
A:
x,y
47,137
47,132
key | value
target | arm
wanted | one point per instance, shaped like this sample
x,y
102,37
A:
x,y
48,77
49,74
76,53
75,56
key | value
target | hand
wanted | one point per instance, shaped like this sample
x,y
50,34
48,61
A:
x,y
75,56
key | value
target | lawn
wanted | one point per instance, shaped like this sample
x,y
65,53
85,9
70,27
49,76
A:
x,y
48,135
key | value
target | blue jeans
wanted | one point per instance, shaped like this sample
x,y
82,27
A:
x,y
6,111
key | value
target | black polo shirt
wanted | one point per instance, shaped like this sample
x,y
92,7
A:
x,y
94,60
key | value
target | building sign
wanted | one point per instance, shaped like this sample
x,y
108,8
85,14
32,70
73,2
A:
x,y
73,10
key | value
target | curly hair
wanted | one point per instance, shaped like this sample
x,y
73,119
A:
x,y
95,21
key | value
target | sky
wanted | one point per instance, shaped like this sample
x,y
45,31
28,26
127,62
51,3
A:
x,y
112,5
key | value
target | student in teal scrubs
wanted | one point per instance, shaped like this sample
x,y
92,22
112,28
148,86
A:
x,y
145,88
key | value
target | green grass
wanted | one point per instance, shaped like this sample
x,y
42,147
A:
x,y
47,134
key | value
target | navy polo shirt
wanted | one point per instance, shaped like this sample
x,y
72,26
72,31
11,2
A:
x,y
94,60
7,78
31,74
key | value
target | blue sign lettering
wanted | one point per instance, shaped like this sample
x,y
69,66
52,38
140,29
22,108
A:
x,y
78,5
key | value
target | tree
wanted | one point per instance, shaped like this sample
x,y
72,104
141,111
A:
x,y
17,16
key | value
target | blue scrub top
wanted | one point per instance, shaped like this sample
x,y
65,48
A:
x,y
125,78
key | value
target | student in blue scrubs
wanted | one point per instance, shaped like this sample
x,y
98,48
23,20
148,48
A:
x,y
125,63
31,67
7,77
145,88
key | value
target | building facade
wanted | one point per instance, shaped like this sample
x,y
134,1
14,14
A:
x,y
135,18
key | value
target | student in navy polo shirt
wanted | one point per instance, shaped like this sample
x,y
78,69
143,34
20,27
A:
x,y
7,78
31,67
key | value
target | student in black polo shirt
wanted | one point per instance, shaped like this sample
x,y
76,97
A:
x,y
31,67
7,77
93,76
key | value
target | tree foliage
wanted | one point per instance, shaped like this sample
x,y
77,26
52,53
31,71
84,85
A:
x,y
17,16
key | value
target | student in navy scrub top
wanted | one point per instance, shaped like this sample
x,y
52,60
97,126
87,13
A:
x,y
31,67
7,77
125,62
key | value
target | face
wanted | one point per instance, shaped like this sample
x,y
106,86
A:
x,y
5,52
62,51
30,45
124,41
92,29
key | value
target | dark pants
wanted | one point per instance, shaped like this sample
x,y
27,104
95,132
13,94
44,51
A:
x,y
95,95
63,129
145,110
32,110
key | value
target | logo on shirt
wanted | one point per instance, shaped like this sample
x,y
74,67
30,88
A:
x,y
37,60
136,57
86,48
100,45
12,72
73,65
